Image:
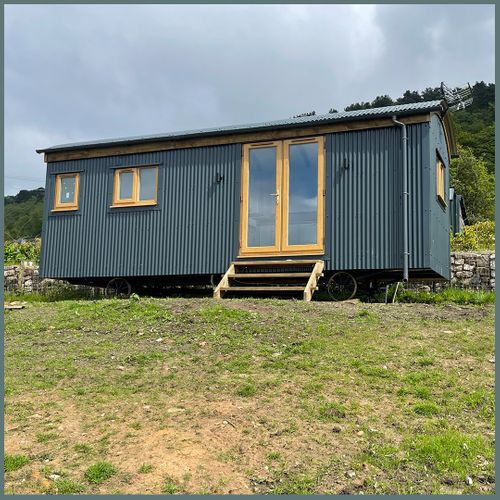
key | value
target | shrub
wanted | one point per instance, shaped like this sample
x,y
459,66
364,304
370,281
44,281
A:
x,y
15,253
479,236
448,295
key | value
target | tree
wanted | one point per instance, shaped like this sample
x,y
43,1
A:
x,y
23,214
470,178
357,106
409,97
432,94
382,100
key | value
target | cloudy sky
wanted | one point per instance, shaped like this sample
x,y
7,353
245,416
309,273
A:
x,y
76,73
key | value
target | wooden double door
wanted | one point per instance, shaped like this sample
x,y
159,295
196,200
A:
x,y
282,198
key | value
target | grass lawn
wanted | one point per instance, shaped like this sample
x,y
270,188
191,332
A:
x,y
184,395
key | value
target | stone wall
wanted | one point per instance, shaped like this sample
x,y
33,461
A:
x,y
25,278
475,270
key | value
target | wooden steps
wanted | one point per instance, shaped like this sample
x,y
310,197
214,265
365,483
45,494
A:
x,y
275,275
271,277
263,288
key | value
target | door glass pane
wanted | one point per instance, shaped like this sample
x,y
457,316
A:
x,y
147,183
303,194
126,185
261,203
67,194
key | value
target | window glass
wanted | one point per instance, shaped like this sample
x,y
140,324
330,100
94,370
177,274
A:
x,y
67,192
262,197
303,194
126,185
440,179
147,183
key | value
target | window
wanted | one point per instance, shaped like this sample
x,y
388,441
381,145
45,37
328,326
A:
x,y
135,186
66,194
440,180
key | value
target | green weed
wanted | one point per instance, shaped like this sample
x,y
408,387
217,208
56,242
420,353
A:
x,y
100,472
145,469
247,390
45,437
14,462
426,361
332,411
448,295
170,486
295,484
426,409
82,448
64,486
449,452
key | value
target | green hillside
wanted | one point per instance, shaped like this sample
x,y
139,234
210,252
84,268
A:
x,y
23,214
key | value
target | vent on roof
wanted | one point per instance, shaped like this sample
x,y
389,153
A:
x,y
457,98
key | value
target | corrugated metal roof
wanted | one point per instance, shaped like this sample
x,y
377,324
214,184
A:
x,y
372,113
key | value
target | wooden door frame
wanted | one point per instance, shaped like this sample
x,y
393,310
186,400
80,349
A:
x,y
281,246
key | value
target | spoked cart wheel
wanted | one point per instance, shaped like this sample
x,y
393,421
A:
x,y
342,286
118,288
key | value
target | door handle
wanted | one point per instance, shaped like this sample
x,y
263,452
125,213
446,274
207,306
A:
x,y
277,196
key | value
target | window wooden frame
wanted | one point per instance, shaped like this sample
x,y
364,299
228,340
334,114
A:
x,y
281,246
58,205
440,180
134,201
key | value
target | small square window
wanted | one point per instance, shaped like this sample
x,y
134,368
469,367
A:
x,y
66,192
135,186
440,180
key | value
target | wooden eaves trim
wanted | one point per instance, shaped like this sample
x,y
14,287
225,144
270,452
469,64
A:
x,y
268,135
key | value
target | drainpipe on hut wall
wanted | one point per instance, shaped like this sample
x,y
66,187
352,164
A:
x,y
406,253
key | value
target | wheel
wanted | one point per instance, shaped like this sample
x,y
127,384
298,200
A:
x,y
119,288
342,286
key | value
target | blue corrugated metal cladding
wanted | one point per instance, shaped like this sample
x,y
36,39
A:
x,y
194,229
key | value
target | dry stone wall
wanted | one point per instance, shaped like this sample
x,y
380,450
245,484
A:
x,y
474,270
25,278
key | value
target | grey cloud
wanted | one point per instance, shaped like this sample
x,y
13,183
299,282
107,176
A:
x,y
75,73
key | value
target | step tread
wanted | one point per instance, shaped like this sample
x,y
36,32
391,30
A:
x,y
270,275
263,288
275,262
